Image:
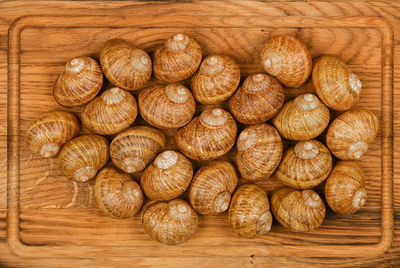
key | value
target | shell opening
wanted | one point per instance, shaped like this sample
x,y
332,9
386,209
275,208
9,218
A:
x,y
264,222
359,198
247,139
307,102
256,83
355,83
133,164
130,191
49,149
306,150
166,160
85,173
214,117
272,63
311,198
114,95
357,149
75,65
177,93
178,42
221,202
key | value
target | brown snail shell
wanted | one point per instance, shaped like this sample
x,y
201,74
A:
x,y
208,136
177,59
82,157
350,133
133,149
249,212
169,222
259,151
258,100
345,188
125,65
48,133
217,79
170,106
305,165
335,84
167,177
298,210
117,194
212,186
303,118
287,59
79,83
111,113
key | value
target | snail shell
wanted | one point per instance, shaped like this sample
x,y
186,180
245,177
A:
x,y
259,151
303,118
258,100
117,194
167,177
177,59
335,84
112,112
79,83
345,188
212,186
305,165
133,149
47,134
287,59
208,136
82,157
217,79
249,213
170,106
169,222
298,210
350,133
125,65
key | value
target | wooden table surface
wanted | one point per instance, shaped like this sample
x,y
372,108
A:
x,y
11,10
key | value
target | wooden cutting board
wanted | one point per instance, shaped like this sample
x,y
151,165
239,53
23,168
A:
x,y
49,216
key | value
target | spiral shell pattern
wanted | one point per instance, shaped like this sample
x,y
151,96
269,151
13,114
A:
x,y
216,81
249,213
208,136
287,59
125,65
169,222
177,59
82,157
170,106
212,186
79,83
258,100
50,131
116,194
259,151
112,112
133,149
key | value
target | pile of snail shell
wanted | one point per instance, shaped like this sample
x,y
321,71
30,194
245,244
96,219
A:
x,y
176,187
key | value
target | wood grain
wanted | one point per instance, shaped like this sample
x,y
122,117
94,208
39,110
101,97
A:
x,y
56,212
